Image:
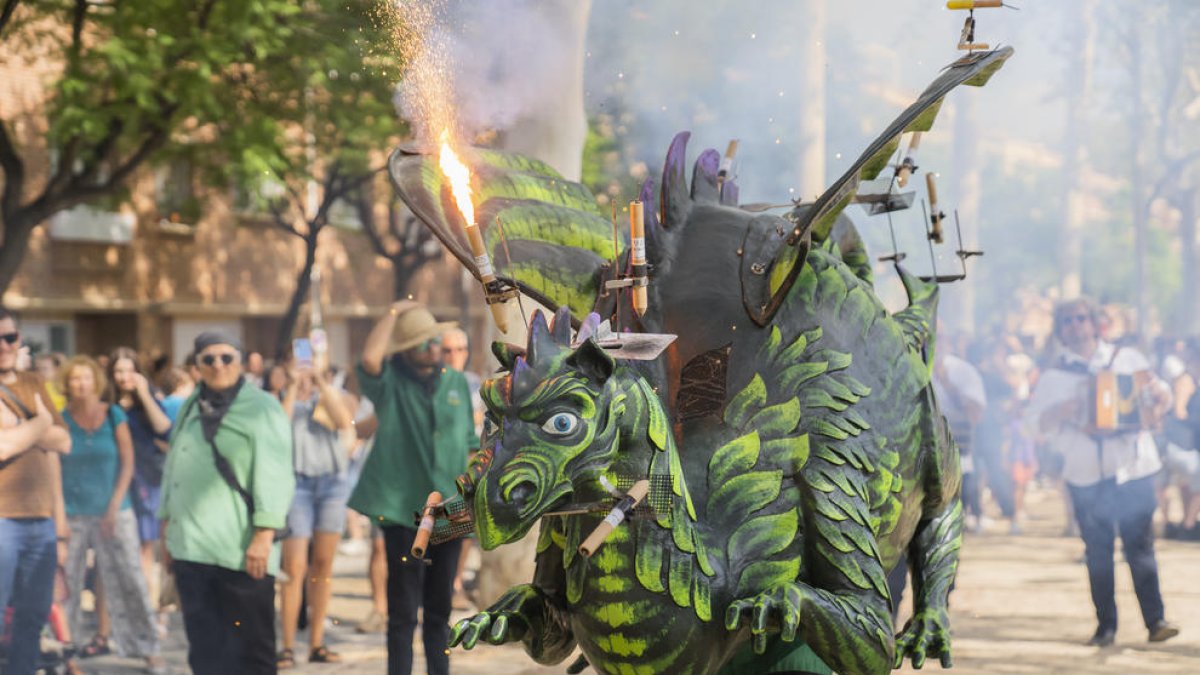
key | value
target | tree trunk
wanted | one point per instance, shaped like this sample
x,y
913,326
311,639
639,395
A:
x,y
556,133
1189,320
810,82
287,325
965,190
1082,49
1138,189
18,229
555,136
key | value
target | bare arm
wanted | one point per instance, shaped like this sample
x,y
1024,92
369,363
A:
x,y
158,419
289,393
335,403
377,341
125,471
18,439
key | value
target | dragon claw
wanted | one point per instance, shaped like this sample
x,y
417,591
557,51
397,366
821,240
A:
x,y
502,622
926,634
773,611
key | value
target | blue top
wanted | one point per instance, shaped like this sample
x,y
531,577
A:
x,y
172,405
89,471
148,459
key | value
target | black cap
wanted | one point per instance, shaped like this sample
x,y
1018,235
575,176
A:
x,y
216,337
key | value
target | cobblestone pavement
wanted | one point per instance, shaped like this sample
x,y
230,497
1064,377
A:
x,y
1021,606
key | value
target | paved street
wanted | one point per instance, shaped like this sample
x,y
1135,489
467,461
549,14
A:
x,y
1021,607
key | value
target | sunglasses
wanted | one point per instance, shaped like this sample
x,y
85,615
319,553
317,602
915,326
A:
x,y
1076,318
210,360
429,344
10,338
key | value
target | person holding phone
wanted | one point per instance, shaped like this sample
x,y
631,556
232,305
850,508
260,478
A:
x,y
322,435
227,487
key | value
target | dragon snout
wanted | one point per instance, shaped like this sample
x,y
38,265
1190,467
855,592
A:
x,y
520,494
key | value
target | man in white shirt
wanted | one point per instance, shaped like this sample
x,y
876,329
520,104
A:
x,y
963,400
1110,475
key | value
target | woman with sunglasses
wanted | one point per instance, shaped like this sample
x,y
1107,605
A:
x,y
96,477
150,428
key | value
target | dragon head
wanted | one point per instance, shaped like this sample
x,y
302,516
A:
x,y
552,430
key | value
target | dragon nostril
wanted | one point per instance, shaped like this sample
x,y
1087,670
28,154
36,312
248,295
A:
x,y
520,493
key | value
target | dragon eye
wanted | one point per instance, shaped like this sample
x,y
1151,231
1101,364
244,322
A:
x,y
561,424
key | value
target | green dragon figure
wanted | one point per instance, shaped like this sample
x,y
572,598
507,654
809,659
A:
x,y
790,434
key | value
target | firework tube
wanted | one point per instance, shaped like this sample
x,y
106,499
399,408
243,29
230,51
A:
x,y
614,518
973,4
487,277
909,165
637,256
935,215
425,529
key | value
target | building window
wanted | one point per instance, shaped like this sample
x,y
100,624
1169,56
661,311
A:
x,y
175,195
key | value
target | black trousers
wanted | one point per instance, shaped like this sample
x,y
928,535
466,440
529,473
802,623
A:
x,y
1103,510
229,618
411,585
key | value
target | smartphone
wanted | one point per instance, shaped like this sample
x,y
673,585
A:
x,y
302,352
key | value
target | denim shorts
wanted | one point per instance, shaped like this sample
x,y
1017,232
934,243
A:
x,y
319,504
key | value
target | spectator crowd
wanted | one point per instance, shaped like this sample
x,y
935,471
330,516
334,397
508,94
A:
x,y
225,487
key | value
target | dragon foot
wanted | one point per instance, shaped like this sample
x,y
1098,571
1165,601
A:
x,y
776,610
505,621
926,634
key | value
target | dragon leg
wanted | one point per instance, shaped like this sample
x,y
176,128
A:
x,y
531,613
933,557
847,620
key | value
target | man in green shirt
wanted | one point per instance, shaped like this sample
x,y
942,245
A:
x,y
425,430
226,489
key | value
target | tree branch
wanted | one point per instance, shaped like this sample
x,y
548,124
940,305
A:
x,y
79,16
6,13
14,174
279,219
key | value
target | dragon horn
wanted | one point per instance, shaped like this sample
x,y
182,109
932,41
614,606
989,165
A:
x,y
676,197
560,330
507,354
541,342
704,177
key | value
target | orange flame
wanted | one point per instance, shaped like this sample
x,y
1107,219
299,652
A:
x,y
460,178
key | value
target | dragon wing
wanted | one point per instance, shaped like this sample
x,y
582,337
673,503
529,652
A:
x,y
552,242
816,220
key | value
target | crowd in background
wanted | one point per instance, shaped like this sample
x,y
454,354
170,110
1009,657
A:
x,y
118,414
106,503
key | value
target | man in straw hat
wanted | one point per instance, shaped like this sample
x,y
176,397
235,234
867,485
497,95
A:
x,y
425,431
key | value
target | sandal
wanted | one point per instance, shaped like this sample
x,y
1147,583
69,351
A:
x,y
285,659
97,646
323,655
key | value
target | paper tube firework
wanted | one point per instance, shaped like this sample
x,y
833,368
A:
x,y
614,518
421,541
637,256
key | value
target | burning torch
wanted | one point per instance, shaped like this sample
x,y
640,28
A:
x,y
494,292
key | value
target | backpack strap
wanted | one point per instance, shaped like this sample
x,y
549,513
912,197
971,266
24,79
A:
x,y
15,402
